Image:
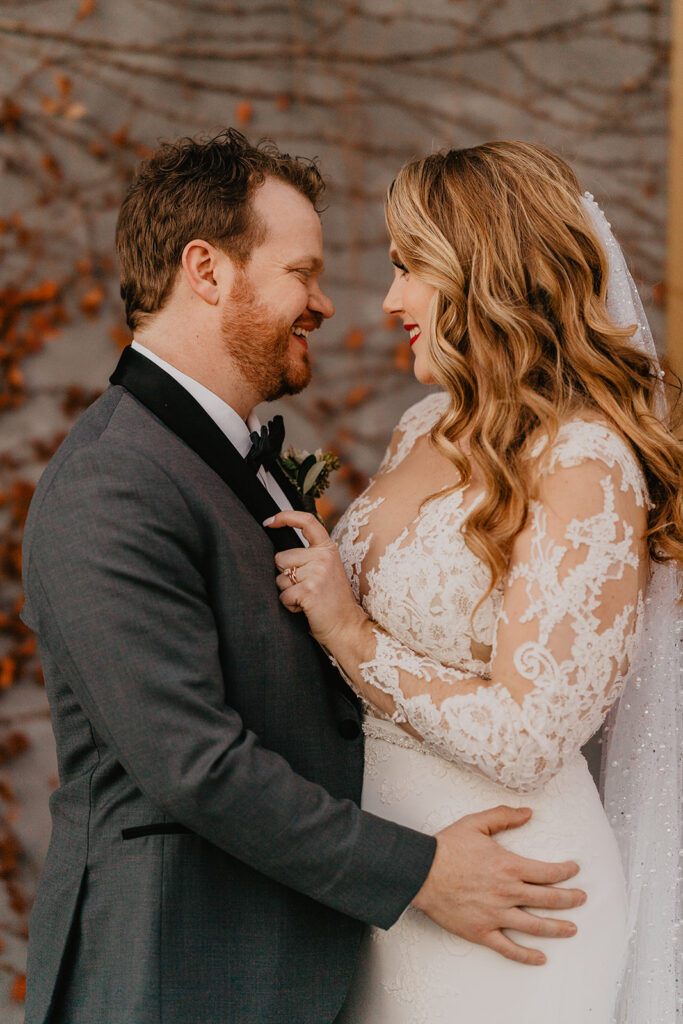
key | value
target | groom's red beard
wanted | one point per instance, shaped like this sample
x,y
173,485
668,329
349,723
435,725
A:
x,y
259,344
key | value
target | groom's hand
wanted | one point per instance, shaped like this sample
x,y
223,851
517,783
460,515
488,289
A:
x,y
475,887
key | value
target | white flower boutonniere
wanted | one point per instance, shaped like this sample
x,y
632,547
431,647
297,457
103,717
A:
x,y
309,472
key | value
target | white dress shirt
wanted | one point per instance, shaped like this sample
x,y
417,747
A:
x,y
227,420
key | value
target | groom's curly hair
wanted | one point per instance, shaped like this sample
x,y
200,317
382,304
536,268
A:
x,y
197,188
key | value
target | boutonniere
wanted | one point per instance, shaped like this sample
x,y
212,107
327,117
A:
x,y
309,472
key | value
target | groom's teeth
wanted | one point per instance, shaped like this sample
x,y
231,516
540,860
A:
x,y
301,331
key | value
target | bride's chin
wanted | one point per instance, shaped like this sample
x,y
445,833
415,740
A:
x,y
422,373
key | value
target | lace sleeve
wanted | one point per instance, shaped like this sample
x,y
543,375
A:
x,y
564,636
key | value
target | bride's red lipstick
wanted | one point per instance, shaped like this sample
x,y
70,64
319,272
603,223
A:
x,y
409,328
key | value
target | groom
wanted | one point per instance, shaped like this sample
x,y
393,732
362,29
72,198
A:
x,y
209,863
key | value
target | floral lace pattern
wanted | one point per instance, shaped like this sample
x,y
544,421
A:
x,y
561,631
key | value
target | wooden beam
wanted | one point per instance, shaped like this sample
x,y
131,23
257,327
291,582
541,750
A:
x,y
674,276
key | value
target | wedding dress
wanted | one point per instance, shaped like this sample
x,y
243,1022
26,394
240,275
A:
x,y
566,623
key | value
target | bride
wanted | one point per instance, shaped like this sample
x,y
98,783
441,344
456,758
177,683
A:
x,y
507,574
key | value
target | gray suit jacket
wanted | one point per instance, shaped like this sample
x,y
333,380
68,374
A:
x,y
209,863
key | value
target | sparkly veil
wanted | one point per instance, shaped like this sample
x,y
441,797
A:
x,y
642,774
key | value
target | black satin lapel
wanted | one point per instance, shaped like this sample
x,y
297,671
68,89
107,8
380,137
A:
x,y
178,410
288,488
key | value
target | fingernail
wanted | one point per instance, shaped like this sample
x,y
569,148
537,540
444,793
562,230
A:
x,y
571,929
268,521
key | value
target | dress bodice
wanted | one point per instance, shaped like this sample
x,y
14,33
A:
x,y
425,585
562,624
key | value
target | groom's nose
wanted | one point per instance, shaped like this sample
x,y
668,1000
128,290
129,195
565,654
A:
x,y
319,302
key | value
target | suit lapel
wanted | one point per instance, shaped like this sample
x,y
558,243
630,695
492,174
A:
x,y
178,410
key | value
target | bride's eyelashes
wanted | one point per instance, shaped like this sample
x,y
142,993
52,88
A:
x,y
400,266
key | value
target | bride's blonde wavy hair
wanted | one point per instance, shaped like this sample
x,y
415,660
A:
x,y
519,333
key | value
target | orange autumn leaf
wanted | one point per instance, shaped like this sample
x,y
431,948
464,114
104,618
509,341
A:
x,y
326,508
64,85
244,112
46,291
49,105
120,136
15,743
357,395
659,293
355,339
10,115
390,321
8,668
344,437
403,359
6,794
92,300
51,165
85,10
19,988
75,111
120,336
284,102
15,377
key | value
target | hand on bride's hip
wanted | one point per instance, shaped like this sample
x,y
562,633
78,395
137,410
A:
x,y
476,888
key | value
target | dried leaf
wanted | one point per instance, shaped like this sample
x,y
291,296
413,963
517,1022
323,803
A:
x,y
357,395
284,102
15,377
86,9
92,300
10,115
355,339
326,508
19,989
49,105
403,359
244,112
75,111
64,85
120,136
8,668
46,291
120,336
659,293
50,164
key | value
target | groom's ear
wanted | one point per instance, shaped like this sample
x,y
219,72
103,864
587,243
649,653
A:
x,y
208,271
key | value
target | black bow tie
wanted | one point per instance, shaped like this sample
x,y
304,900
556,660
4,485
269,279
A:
x,y
266,446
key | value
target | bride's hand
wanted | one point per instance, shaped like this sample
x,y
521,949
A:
x,y
313,580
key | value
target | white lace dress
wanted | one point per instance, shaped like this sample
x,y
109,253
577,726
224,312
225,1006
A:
x,y
559,633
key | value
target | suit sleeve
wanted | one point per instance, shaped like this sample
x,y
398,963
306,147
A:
x,y
116,589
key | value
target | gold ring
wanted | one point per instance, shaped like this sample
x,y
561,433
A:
x,y
292,575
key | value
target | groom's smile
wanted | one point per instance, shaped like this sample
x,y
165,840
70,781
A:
x,y
276,300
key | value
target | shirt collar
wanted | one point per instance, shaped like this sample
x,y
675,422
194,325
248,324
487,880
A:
x,y
224,416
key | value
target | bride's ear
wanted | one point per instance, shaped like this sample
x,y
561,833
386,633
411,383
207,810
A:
x,y
208,271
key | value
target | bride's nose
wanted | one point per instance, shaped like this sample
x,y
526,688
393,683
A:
x,y
392,301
